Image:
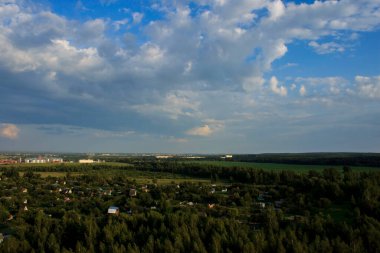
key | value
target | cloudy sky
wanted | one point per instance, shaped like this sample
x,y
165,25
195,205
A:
x,y
207,76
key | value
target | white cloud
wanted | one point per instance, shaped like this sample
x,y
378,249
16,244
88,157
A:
x,y
174,104
137,17
302,90
280,90
323,86
151,53
209,128
276,9
253,82
368,86
326,48
191,64
9,131
119,23
200,131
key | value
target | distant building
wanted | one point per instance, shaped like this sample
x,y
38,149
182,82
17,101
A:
x,y
35,160
114,210
55,160
86,161
164,156
8,161
260,204
43,160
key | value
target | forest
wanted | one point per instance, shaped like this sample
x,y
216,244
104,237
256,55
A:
x,y
170,206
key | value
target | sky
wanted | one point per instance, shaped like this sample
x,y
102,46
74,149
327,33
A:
x,y
202,76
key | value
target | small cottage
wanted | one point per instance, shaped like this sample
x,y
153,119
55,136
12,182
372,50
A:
x,y
114,210
132,192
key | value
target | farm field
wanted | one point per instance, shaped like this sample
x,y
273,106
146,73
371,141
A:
x,y
278,166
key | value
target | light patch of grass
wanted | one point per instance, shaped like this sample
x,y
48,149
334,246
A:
x,y
54,174
166,181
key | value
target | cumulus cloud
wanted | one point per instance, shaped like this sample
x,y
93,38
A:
x,y
209,128
323,86
200,131
9,131
276,9
280,90
207,61
368,86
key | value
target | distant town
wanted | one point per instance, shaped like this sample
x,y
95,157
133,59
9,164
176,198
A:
x,y
6,159
42,159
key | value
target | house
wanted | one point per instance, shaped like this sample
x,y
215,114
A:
x,y
24,190
211,206
114,210
224,190
132,192
25,208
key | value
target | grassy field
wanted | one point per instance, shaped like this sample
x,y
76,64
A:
x,y
141,177
278,167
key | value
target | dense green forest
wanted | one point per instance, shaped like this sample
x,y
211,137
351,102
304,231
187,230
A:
x,y
233,209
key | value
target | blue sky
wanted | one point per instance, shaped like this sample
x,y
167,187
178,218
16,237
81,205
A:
x,y
203,76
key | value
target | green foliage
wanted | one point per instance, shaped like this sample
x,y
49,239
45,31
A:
x,y
259,211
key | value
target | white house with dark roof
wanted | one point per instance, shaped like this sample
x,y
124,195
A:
x,y
113,210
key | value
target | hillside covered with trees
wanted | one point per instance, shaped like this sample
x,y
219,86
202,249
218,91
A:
x,y
174,207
